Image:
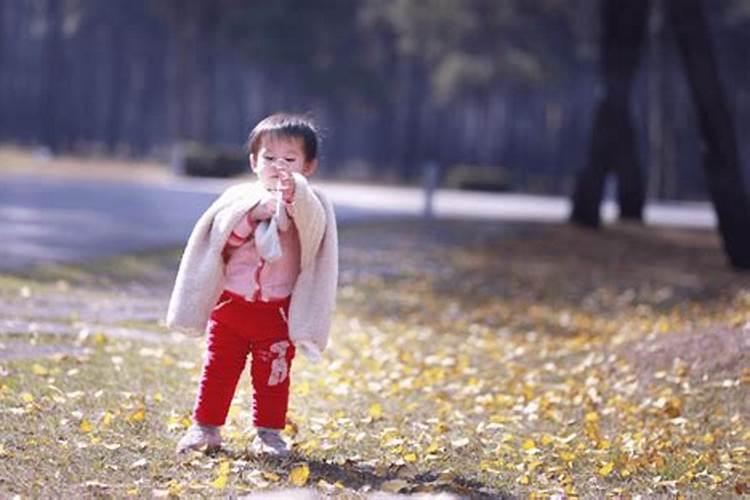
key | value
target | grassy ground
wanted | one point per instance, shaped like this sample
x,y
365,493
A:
x,y
486,360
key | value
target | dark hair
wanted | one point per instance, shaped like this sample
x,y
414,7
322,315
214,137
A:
x,y
286,125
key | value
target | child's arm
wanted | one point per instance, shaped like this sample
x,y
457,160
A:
x,y
243,230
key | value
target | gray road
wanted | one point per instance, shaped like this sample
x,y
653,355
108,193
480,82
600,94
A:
x,y
53,219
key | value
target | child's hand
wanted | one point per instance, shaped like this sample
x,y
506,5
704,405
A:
x,y
263,210
286,185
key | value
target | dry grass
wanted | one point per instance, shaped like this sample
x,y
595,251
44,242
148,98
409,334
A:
x,y
484,360
18,160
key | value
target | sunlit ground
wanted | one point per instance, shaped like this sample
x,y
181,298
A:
x,y
481,359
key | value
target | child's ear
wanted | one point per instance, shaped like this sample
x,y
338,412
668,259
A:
x,y
252,162
310,168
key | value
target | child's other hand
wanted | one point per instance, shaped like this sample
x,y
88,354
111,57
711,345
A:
x,y
286,185
263,210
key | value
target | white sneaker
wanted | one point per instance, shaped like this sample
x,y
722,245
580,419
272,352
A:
x,y
198,436
269,442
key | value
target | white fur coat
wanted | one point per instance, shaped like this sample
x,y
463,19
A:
x,y
200,279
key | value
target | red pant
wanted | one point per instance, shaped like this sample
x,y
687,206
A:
x,y
236,328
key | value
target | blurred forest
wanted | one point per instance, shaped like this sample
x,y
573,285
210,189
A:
x,y
507,85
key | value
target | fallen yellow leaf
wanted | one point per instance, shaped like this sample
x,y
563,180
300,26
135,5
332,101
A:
x,y
567,456
376,411
86,426
606,469
299,475
528,445
138,416
107,419
271,476
222,476
175,489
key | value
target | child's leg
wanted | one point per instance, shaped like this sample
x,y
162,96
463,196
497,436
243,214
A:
x,y
225,359
271,365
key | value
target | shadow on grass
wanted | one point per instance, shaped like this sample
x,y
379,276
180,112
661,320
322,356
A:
x,y
363,477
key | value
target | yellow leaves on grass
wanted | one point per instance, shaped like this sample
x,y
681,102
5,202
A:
x,y
85,426
137,416
299,475
222,475
271,476
606,469
178,422
524,480
106,419
670,405
529,445
501,388
376,411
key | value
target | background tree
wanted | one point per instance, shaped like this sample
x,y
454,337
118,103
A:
x,y
613,140
613,143
720,153
507,86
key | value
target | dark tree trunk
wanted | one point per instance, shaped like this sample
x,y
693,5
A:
x,y
613,142
720,155
411,142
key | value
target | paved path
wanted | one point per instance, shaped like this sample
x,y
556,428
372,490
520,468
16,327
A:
x,y
54,219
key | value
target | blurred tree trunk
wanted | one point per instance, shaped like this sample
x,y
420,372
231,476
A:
x,y
720,155
655,98
411,111
613,141
53,74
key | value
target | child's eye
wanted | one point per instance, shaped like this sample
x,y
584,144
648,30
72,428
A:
x,y
289,160
268,158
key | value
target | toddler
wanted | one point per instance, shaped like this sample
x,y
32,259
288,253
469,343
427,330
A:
x,y
259,274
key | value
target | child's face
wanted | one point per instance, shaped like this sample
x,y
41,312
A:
x,y
280,156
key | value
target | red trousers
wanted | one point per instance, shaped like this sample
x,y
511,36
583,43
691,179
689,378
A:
x,y
236,328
